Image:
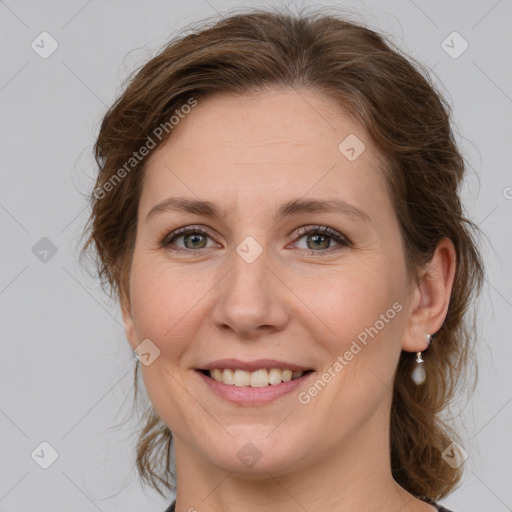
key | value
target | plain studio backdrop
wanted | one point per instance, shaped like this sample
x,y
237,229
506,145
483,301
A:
x,y
66,368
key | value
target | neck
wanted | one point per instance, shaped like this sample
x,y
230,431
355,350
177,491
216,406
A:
x,y
356,476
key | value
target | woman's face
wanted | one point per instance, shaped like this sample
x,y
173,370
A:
x,y
299,266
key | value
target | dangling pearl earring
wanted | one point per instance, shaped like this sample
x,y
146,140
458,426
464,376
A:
x,y
418,374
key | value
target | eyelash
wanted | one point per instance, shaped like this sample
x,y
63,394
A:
x,y
300,233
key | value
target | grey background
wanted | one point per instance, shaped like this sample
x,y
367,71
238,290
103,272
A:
x,y
65,368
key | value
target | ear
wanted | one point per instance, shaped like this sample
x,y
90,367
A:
x,y
430,297
129,327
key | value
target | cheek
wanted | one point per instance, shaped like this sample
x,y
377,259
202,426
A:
x,y
360,312
165,304
349,299
358,318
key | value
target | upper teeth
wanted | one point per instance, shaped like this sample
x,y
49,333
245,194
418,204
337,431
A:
x,y
257,379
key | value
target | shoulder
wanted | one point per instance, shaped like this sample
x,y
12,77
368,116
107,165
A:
x,y
440,508
171,507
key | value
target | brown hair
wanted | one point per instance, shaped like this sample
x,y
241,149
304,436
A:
x,y
408,121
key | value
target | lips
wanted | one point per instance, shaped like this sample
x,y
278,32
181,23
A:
x,y
243,390
252,382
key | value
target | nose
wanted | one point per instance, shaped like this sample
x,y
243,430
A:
x,y
251,299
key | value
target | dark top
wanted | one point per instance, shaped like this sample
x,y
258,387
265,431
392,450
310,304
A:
x,y
440,508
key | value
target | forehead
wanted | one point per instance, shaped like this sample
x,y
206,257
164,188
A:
x,y
282,143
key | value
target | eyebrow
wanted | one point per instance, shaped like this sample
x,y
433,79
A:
x,y
290,208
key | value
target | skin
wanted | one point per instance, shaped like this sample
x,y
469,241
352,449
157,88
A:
x,y
249,154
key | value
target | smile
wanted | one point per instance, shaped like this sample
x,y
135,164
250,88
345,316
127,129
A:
x,y
256,379
251,388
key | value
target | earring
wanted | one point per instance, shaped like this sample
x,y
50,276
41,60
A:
x,y
418,374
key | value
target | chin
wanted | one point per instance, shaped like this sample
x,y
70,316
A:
x,y
257,450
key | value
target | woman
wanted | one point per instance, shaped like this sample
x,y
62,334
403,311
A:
x,y
277,210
